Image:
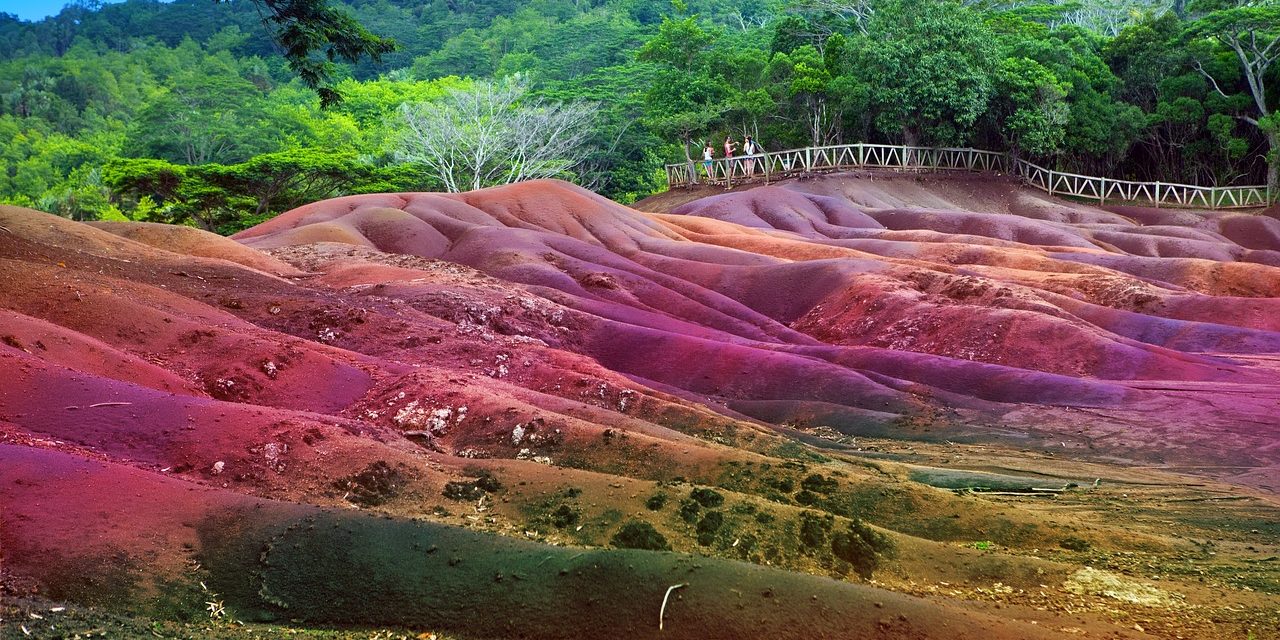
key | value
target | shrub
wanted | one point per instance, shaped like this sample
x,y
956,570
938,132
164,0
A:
x,y
709,498
689,510
1075,544
564,516
376,484
708,526
814,528
458,490
638,534
819,483
656,501
484,483
807,498
861,546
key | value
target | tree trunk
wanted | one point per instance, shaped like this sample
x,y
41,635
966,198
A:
x,y
693,169
909,137
1273,165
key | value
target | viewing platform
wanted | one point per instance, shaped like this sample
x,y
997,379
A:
x,y
799,163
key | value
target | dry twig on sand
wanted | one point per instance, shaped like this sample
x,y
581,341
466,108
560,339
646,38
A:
x,y
1213,499
1032,494
663,611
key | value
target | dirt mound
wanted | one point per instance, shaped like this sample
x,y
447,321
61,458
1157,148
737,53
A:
x,y
781,270
1252,231
778,208
195,242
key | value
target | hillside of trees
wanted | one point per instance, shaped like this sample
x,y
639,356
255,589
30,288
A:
x,y
189,112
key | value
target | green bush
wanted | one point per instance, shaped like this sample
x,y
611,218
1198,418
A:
x,y
808,498
1075,544
638,534
375,485
564,516
861,546
709,498
814,528
656,501
708,526
819,483
689,510
457,490
484,483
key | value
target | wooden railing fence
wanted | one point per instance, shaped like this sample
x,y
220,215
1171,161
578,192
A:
x,y
771,166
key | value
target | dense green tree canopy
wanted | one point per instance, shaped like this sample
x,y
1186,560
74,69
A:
x,y
933,64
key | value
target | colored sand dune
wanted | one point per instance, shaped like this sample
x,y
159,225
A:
x,y
448,412
837,303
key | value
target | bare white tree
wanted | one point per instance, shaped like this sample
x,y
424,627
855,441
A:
x,y
859,11
748,21
1102,16
494,133
1110,17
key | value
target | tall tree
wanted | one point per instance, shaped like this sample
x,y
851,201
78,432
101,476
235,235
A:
x,y
1030,107
314,36
933,64
1252,33
494,133
685,99
809,89
202,119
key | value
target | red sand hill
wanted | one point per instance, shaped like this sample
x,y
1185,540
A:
x,y
830,302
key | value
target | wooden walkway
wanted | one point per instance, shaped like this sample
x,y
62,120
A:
x,y
768,167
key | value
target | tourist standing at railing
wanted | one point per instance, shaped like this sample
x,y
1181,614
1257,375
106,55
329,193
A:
x,y
730,145
708,166
750,149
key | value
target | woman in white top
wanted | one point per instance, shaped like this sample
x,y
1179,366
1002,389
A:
x,y
750,149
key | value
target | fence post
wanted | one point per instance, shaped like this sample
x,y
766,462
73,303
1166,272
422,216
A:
x,y
1157,194
1102,197
764,157
808,159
